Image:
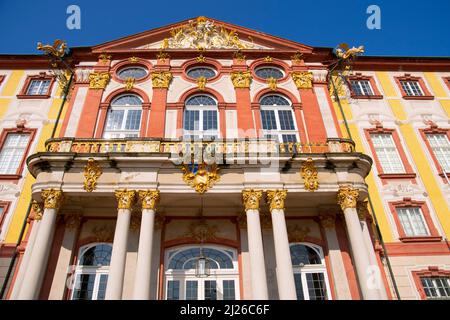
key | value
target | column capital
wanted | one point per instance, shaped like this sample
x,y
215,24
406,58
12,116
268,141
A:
x,y
149,198
37,210
302,79
161,79
327,221
276,198
72,221
347,197
125,198
251,198
52,198
241,79
363,211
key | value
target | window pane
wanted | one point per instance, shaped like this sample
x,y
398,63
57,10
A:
x,y
99,255
361,87
127,100
191,290
412,221
387,153
274,100
102,287
198,72
210,120
210,290
299,286
191,119
114,119
411,88
269,72
436,287
441,148
38,87
316,286
228,290
201,100
133,121
268,120
302,254
286,120
289,138
132,72
12,152
84,287
173,290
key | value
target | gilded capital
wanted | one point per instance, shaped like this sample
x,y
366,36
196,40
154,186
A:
x,y
241,79
309,175
363,211
250,198
161,79
149,198
327,221
92,172
276,198
37,210
302,79
125,198
98,80
52,198
347,197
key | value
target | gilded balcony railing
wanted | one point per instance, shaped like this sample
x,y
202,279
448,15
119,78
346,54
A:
x,y
82,145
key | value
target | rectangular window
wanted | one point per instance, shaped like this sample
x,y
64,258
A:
x,y
412,221
412,88
12,152
191,290
122,123
38,87
299,286
268,120
279,125
316,286
84,287
441,148
102,287
387,153
210,290
436,287
361,88
228,290
173,290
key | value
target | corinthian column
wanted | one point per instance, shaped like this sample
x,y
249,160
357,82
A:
x,y
32,281
251,200
347,198
125,199
285,274
142,279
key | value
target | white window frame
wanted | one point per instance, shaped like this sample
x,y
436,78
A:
x,y
218,275
81,270
202,133
312,268
15,150
40,86
122,133
279,133
408,88
433,281
383,149
439,150
410,221
361,88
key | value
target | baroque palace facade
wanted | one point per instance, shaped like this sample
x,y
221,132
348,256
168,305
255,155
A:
x,y
204,160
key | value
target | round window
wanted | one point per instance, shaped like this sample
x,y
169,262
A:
x,y
269,72
132,72
197,72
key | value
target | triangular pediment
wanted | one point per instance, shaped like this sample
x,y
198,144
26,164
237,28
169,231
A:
x,y
201,34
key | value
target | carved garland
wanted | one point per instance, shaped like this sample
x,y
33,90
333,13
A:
x,y
92,172
309,175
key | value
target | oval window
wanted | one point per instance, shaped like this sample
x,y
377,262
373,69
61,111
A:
x,y
197,72
269,72
132,72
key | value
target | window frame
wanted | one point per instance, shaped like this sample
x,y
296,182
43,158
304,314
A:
x,y
359,77
4,134
261,66
431,271
5,206
205,66
426,216
435,130
407,77
41,76
136,66
201,109
408,174
126,109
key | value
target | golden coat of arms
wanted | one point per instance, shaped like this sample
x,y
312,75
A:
x,y
198,176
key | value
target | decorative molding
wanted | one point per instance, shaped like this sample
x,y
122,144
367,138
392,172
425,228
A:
x,y
162,56
200,59
98,80
309,174
161,79
92,171
104,57
37,210
268,59
363,211
103,233
297,58
272,82
201,180
251,198
129,83
52,198
347,197
276,198
239,56
297,234
302,79
72,221
201,231
327,221
201,83
125,198
149,198
241,79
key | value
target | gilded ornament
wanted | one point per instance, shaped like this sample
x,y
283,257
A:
x,y
363,211
241,79
201,180
133,59
345,52
272,82
268,59
347,197
201,59
98,80
303,79
201,83
309,174
276,198
104,57
103,233
201,231
251,198
327,221
297,234
92,172
57,49
72,221
129,83
149,198
161,79
37,210
52,198
125,198
163,56
239,56
297,57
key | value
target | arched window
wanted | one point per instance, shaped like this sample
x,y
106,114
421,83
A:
x,y
310,272
277,119
201,118
91,272
181,282
124,117
269,72
134,72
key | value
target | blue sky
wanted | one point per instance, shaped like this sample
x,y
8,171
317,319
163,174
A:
x,y
408,28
